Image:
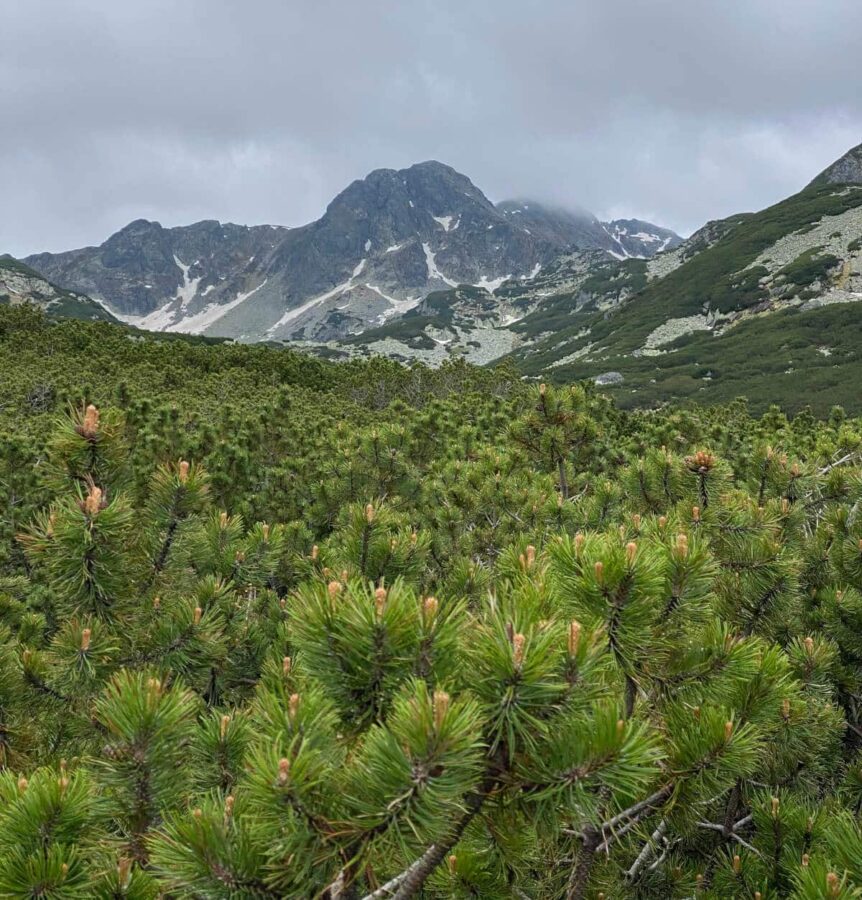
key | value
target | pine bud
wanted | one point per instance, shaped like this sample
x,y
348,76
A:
x,y
228,807
518,642
701,462
785,709
452,861
414,537
22,784
225,721
85,640
636,521
758,895
579,542
785,506
728,730
93,502
286,665
696,713
776,803
292,706
662,521
62,783
441,707
631,552
315,550
380,601
197,615
531,556
695,513
183,472
124,872
157,602
699,879
64,869
239,557
681,546
542,390
599,569
283,772
90,425
222,520
369,513
621,728
809,645
737,864
833,884
345,575
334,588
805,860
429,610
574,636
198,813
264,530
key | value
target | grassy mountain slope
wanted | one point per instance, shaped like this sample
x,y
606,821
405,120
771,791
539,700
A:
x,y
731,320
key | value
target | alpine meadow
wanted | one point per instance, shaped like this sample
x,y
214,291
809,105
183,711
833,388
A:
x,y
430,450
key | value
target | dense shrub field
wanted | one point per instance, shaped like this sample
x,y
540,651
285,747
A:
x,y
277,627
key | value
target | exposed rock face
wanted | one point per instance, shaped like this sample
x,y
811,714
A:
x,y
20,284
634,237
382,245
847,170
144,266
607,378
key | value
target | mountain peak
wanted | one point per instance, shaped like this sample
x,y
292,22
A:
x,y
846,170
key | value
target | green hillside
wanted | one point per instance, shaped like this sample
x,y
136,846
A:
x,y
776,355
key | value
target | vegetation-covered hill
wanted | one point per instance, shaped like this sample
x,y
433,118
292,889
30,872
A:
x,y
277,627
767,305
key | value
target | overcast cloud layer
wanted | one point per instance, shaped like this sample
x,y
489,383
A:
x,y
260,111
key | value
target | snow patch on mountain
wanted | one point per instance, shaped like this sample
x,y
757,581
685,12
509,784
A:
x,y
433,271
296,312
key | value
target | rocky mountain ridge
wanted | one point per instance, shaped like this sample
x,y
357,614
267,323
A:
x,y
384,244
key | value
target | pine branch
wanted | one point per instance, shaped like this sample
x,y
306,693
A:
x,y
411,880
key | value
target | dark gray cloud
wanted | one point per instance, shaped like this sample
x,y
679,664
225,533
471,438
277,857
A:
x,y
260,111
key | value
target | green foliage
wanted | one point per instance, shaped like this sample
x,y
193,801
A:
x,y
274,627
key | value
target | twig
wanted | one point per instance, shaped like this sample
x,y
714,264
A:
x,y
838,462
647,850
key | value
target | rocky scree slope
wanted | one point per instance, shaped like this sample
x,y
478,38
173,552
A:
x,y
383,245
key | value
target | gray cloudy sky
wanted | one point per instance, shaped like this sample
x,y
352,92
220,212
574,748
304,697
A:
x,y
262,110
